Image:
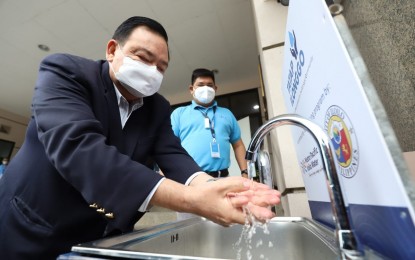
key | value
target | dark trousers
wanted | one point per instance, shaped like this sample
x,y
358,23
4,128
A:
x,y
220,173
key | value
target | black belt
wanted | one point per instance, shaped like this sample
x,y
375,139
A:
x,y
220,173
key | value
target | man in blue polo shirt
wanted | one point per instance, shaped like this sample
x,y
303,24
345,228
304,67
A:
x,y
206,130
3,166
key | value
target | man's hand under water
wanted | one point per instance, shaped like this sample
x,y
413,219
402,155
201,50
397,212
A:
x,y
228,200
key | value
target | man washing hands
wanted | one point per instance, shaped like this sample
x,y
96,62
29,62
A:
x,y
86,168
222,201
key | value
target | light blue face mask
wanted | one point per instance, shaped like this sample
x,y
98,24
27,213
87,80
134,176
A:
x,y
138,78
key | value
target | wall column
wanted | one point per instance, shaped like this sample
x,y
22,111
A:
x,y
270,19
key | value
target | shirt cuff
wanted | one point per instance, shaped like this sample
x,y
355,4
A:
x,y
194,175
144,206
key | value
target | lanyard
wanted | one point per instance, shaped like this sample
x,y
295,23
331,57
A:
x,y
211,122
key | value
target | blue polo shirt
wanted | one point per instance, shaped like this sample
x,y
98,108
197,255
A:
x,y
188,124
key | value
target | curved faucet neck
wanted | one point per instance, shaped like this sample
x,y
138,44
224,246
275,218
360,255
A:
x,y
345,236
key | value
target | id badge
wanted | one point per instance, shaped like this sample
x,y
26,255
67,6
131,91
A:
x,y
207,123
214,149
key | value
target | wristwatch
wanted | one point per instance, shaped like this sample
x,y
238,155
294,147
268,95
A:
x,y
244,171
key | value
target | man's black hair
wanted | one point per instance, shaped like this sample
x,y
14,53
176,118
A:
x,y
123,31
197,73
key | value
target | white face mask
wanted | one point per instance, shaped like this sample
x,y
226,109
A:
x,y
204,94
140,79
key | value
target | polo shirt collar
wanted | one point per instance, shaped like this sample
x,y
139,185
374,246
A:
x,y
195,105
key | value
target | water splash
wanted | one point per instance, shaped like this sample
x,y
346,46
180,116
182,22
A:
x,y
247,237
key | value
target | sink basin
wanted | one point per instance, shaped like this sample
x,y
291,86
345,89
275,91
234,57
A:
x,y
198,238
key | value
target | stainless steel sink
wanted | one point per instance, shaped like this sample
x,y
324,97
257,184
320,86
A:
x,y
198,238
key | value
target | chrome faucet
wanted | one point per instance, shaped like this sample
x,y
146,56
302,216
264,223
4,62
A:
x,y
345,237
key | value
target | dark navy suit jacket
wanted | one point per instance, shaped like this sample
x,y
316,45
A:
x,y
76,154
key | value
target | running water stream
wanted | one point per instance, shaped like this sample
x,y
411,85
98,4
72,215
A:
x,y
247,240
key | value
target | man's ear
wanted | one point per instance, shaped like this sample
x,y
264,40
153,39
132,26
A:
x,y
191,89
111,47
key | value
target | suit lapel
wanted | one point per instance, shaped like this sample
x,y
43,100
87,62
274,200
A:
x,y
133,130
112,125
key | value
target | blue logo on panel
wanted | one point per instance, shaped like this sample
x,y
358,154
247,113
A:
x,y
296,65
